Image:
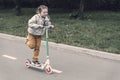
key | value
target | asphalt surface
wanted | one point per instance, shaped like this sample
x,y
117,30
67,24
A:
x,y
75,65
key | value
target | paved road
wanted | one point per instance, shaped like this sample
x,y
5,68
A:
x,y
75,65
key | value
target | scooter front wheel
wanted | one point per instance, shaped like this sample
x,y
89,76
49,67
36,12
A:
x,y
48,69
27,63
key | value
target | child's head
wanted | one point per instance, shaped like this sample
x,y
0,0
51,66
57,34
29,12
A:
x,y
42,10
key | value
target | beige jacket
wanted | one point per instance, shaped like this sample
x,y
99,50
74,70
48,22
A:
x,y
35,24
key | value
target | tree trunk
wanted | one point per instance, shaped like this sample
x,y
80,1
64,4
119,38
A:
x,y
81,10
18,7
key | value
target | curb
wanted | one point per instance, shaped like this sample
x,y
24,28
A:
x,y
91,52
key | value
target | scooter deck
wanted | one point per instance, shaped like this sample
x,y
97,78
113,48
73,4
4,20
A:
x,y
42,68
37,67
29,64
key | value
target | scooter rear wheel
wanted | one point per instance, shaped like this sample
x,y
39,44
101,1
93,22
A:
x,y
27,63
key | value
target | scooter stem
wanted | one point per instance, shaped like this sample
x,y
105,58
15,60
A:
x,y
47,46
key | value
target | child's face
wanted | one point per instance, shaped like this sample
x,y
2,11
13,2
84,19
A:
x,y
44,12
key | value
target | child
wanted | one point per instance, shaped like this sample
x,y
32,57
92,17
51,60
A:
x,y
36,29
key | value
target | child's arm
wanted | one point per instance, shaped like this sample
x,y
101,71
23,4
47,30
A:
x,y
33,22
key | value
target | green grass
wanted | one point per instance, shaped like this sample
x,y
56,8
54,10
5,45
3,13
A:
x,y
99,30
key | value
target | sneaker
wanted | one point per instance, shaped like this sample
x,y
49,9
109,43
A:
x,y
36,63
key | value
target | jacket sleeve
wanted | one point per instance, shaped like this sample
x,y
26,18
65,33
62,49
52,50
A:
x,y
33,22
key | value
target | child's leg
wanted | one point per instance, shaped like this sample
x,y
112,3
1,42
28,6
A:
x,y
37,48
30,41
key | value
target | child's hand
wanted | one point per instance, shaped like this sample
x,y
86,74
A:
x,y
49,27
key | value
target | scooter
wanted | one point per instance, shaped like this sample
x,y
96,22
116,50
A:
x,y
43,66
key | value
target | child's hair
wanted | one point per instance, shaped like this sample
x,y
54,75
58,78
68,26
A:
x,y
39,9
